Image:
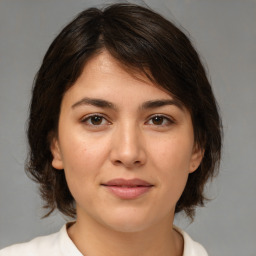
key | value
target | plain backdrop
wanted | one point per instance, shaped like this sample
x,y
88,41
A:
x,y
223,31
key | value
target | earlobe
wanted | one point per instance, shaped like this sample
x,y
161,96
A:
x,y
196,158
57,162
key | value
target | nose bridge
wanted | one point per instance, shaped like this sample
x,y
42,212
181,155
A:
x,y
128,148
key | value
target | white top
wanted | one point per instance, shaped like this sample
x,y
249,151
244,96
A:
x,y
59,244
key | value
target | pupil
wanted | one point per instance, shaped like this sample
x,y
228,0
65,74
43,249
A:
x,y
96,120
158,120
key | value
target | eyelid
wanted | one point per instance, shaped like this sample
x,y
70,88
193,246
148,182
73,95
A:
x,y
86,117
170,119
167,118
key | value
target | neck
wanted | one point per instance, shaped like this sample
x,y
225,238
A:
x,y
92,238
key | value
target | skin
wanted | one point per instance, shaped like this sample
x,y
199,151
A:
x,y
124,140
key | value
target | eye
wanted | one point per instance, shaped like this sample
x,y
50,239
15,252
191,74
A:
x,y
95,120
160,120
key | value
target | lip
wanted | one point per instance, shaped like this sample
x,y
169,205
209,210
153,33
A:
x,y
128,189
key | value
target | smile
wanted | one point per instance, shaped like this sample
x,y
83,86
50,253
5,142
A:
x,y
128,189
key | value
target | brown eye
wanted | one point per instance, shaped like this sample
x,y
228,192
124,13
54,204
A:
x,y
96,120
160,120
157,120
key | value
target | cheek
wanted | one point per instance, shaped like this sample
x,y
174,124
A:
x,y
172,160
81,167
82,150
173,154
81,159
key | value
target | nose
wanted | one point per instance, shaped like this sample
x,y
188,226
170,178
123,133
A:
x,y
128,147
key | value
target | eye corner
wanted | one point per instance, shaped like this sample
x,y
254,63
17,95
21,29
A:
x,y
95,120
160,120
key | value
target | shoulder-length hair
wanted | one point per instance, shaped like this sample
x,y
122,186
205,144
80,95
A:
x,y
141,40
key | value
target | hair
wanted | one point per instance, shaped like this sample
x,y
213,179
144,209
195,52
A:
x,y
141,40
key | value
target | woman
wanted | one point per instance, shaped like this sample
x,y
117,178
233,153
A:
x,y
124,132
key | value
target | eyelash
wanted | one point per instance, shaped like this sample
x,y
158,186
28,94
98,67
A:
x,y
87,118
168,120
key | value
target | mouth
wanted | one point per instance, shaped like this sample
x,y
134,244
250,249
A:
x,y
128,189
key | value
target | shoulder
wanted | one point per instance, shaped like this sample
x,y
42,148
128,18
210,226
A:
x,y
43,245
57,244
191,248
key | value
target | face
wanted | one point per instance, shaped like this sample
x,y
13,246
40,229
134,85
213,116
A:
x,y
126,147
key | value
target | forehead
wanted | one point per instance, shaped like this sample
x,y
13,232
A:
x,y
104,76
104,64
105,84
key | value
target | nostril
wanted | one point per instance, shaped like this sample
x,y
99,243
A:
x,y
118,162
135,163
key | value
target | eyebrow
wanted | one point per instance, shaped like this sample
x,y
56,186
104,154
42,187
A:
x,y
160,103
94,102
100,103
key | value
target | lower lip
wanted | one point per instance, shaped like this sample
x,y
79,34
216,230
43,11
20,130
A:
x,y
128,192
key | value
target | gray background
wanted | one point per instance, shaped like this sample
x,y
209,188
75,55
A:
x,y
224,32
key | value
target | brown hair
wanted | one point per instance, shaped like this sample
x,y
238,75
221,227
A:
x,y
142,40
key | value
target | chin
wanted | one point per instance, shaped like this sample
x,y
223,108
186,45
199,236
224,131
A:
x,y
128,222
128,227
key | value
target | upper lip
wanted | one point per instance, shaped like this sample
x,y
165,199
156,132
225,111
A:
x,y
127,183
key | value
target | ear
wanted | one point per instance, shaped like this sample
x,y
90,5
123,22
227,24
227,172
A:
x,y
57,162
196,158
